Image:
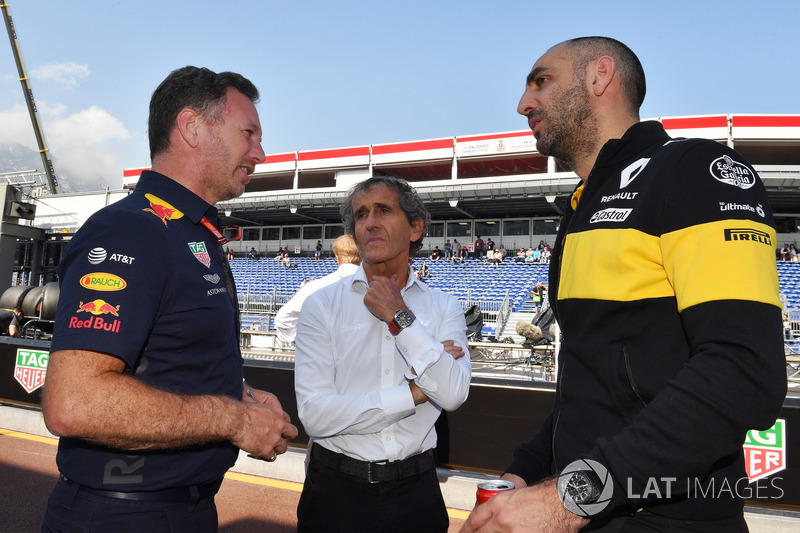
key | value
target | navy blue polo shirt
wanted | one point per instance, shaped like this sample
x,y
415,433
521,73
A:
x,y
143,280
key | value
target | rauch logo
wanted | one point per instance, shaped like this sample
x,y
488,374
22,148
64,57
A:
x,y
103,281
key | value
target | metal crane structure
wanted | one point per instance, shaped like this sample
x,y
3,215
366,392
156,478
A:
x,y
52,182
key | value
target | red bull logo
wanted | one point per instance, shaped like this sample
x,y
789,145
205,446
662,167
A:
x,y
98,307
95,322
161,209
103,281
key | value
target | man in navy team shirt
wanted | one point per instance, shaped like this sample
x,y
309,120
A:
x,y
145,380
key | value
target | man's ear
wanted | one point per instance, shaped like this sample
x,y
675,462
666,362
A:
x,y
417,226
189,124
602,74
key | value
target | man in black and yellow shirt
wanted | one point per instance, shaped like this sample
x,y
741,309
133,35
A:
x,y
666,361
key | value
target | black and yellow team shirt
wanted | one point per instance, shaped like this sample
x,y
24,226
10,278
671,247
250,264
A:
x,y
665,286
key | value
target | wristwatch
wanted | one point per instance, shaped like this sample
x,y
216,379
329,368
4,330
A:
x,y
402,319
582,488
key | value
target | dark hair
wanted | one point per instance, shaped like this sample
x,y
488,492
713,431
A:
x,y
583,50
196,88
407,197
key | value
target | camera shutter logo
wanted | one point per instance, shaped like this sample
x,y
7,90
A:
x,y
579,493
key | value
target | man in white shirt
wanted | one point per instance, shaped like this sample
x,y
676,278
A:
x,y
346,252
379,355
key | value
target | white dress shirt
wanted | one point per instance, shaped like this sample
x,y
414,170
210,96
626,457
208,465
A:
x,y
352,375
286,319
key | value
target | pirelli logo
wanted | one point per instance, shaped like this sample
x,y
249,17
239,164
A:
x,y
747,234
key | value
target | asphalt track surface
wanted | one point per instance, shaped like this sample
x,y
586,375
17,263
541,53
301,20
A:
x,y
246,503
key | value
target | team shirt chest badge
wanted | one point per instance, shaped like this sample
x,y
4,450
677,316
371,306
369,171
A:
x,y
200,252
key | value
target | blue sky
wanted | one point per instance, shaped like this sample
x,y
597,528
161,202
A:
x,y
345,72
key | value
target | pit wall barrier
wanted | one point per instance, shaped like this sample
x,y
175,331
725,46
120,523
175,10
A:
x,y
481,435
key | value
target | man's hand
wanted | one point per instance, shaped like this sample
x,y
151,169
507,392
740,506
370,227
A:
x,y
266,428
535,508
453,349
383,298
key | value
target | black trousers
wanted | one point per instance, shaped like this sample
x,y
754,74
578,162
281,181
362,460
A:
x,y
70,509
647,522
332,501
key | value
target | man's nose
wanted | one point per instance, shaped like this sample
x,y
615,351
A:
x,y
527,103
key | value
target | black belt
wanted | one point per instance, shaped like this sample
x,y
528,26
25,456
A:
x,y
188,494
372,471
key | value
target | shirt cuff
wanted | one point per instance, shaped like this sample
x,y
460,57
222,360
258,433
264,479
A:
x,y
418,348
397,401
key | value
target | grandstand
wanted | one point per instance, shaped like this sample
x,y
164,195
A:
x,y
264,285
493,185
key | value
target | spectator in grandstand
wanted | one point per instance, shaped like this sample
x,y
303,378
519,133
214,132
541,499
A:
x,y
537,294
436,254
347,259
521,255
489,245
503,252
11,321
318,251
479,246
371,378
253,254
229,254
666,363
793,253
544,255
448,249
787,328
144,382
425,271
497,257
530,255
459,255
286,261
457,248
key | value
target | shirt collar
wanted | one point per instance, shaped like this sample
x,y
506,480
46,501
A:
x,y
177,195
360,279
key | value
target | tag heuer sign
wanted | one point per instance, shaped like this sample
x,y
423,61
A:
x,y
765,451
31,368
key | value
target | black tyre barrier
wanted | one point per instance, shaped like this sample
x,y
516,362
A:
x,y
50,300
13,296
30,301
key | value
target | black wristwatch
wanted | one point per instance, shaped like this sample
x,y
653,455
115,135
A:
x,y
402,319
582,488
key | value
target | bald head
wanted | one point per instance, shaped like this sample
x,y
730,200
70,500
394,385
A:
x,y
584,50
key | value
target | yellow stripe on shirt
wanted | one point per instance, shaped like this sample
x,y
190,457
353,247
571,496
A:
x,y
722,260
612,264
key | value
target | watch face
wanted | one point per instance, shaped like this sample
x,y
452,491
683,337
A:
x,y
403,318
581,489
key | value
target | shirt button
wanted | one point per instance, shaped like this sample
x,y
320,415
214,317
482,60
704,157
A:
x,y
388,439
386,371
405,350
388,337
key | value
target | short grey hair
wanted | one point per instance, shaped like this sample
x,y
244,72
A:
x,y
407,197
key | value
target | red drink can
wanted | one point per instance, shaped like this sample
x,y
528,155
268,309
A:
x,y
487,489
